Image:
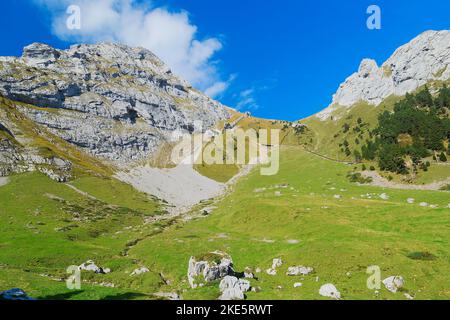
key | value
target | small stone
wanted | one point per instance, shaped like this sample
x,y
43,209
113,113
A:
x,y
408,296
299,270
277,262
271,272
329,290
394,283
297,285
139,271
384,196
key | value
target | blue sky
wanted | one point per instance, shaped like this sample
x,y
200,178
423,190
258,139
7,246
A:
x,y
280,59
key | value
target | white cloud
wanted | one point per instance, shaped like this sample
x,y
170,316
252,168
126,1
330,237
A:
x,y
168,34
218,88
247,100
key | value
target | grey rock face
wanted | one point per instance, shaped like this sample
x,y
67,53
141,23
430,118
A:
x,y
233,288
114,101
201,272
19,160
425,58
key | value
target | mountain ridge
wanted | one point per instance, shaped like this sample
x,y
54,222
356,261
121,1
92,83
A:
x,y
425,58
115,102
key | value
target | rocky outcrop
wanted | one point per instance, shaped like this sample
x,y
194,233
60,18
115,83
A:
x,y
215,266
14,159
233,288
92,267
114,101
425,58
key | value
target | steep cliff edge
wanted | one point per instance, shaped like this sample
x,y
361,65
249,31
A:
x,y
115,102
425,58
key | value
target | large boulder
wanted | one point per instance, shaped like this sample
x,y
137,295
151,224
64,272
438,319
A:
x,y
233,288
91,266
212,266
330,291
14,294
394,283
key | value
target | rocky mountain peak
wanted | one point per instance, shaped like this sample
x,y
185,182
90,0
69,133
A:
x,y
114,101
425,58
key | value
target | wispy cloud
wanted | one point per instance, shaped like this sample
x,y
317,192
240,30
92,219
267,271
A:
x,y
218,88
246,100
169,34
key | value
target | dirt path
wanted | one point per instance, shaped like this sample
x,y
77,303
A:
x,y
87,195
379,181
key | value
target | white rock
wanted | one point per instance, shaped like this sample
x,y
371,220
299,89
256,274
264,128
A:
x,y
233,288
384,196
299,270
277,262
232,294
423,59
408,296
394,283
423,204
337,196
329,290
410,200
200,272
91,266
297,285
271,272
140,271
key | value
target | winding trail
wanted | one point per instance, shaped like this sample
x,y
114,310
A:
x,y
380,181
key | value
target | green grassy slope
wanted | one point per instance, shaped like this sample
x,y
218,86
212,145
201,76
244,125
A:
x,y
288,136
46,227
354,126
339,238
